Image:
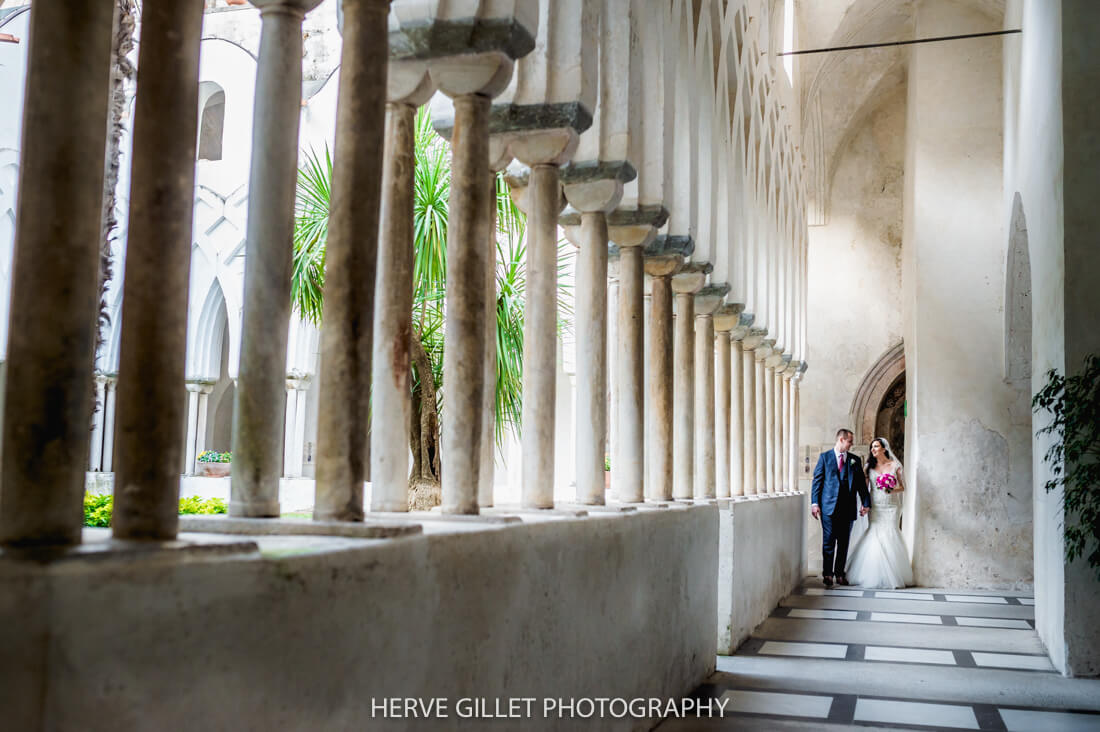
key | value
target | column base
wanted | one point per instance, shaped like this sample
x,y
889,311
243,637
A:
x,y
254,509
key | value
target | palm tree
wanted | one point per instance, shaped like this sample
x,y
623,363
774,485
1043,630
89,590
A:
x,y
432,183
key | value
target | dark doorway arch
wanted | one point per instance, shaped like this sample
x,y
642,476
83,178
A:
x,y
878,408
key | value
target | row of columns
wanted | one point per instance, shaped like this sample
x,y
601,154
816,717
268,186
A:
x,y
721,406
50,385
198,413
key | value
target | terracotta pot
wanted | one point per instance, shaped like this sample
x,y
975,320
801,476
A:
x,y
214,470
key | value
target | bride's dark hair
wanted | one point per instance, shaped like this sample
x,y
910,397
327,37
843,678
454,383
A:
x,y
873,461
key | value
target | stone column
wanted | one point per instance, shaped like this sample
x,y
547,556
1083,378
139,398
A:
x,y
471,85
487,469
158,266
591,320
762,410
685,285
660,385
299,425
796,383
647,406
722,413
95,461
394,300
343,424
630,480
707,301
192,428
727,369
200,426
737,419
594,198
788,484
54,292
258,411
109,426
748,445
289,423
613,371
780,446
540,337
770,455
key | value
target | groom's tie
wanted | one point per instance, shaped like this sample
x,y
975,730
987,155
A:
x,y
840,465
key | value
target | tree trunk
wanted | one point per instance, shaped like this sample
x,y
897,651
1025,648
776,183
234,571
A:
x,y
122,73
424,482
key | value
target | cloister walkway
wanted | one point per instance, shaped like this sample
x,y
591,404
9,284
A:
x,y
911,659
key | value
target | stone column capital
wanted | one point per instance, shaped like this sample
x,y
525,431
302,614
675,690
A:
x,y
743,327
709,299
764,350
662,265
778,361
753,338
485,74
635,227
293,7
596,186
200,386
409,82
691,278
728,317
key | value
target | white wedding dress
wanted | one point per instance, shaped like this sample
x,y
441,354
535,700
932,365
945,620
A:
x,y
877,557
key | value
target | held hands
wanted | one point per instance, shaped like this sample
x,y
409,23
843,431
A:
x,y
815,511
864,510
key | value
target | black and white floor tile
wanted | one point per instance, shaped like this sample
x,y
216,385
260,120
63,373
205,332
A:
x,y
833,659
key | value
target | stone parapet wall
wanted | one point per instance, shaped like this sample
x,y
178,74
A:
x,y
760,560
302,632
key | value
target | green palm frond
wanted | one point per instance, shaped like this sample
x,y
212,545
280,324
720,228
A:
x,y
314,195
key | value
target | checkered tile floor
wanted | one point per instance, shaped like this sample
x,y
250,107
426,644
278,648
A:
x,y
831,659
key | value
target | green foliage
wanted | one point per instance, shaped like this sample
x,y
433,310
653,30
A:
x,y
213,456
310,234
195,504
432,189
1074,456
98,507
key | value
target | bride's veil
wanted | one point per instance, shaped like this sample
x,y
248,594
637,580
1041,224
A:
x,y
898,469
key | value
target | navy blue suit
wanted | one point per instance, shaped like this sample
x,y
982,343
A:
x,y
834,491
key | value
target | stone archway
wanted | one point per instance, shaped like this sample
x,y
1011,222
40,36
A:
x,y
878,407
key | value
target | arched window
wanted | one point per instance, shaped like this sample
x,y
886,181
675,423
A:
x,y
1018,299
211,121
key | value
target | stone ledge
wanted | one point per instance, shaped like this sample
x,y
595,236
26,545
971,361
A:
x,y
99,546
296,527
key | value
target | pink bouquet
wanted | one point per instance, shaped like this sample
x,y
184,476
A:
x,y
886,482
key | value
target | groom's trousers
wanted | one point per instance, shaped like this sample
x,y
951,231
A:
x,y
835,533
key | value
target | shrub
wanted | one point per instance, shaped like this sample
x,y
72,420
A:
x,y
97,508
213,456
194,504
1073,403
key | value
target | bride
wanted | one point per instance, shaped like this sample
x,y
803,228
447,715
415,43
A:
x,y
878,557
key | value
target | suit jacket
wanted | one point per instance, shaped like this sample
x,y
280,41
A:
x,y
829,488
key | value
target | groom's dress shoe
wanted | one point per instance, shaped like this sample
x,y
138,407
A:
x,y
828,581
842,581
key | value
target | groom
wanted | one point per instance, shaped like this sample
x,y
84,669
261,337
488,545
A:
x,y
838,477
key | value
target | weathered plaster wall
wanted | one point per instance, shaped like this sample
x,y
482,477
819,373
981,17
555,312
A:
x,y
967,454
1052,158
759,561
854,312
303,636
